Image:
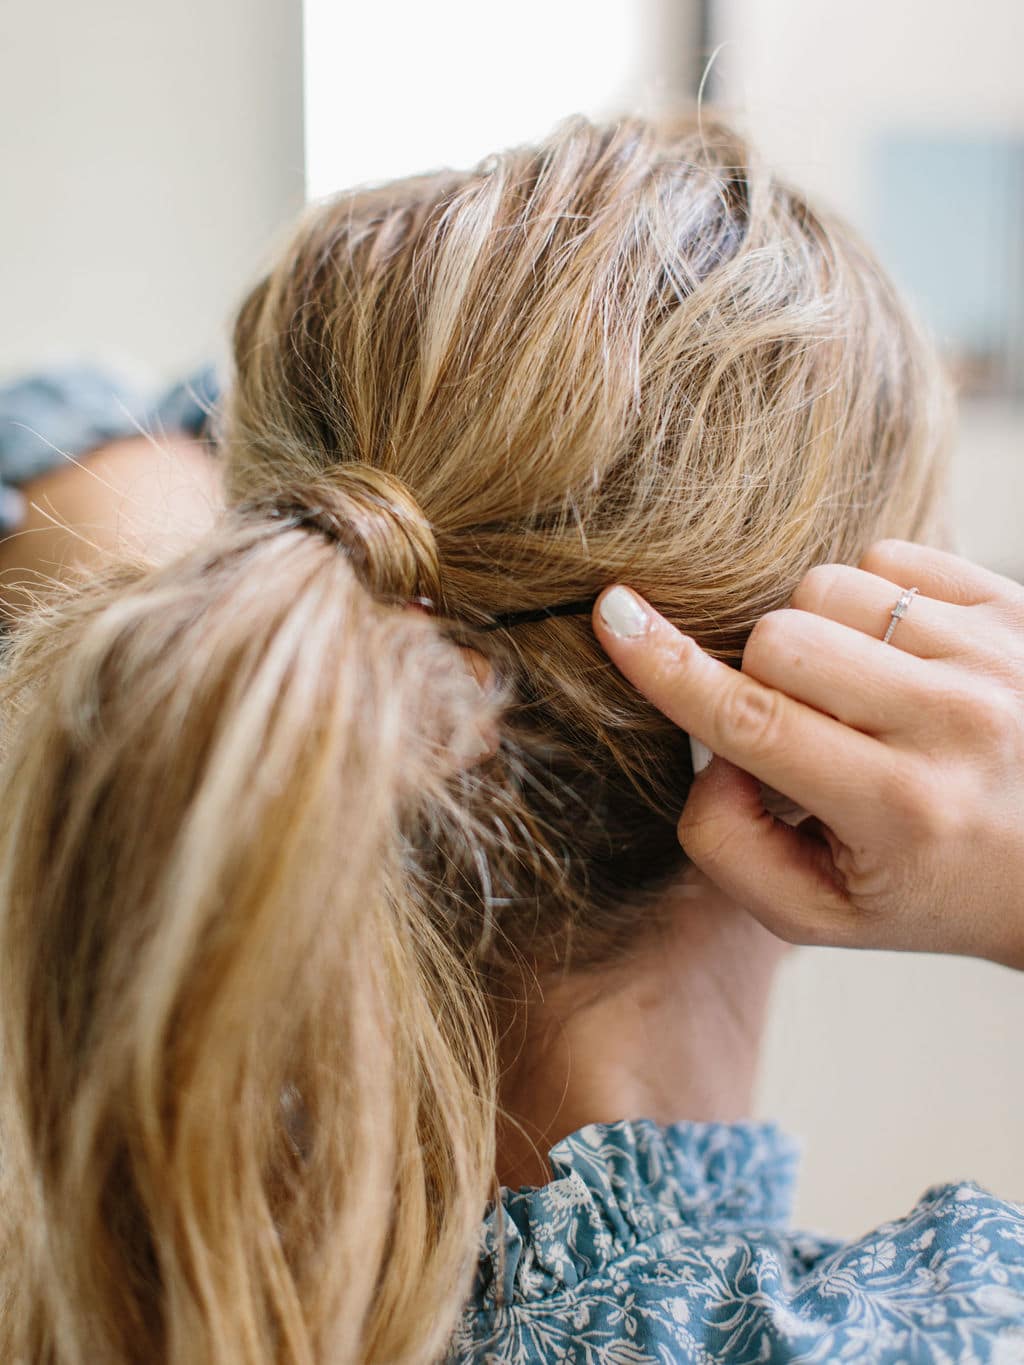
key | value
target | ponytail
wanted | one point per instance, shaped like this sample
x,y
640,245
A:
x,y
247,1082
262,929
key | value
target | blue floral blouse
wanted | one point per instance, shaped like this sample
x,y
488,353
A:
x,y
655,1245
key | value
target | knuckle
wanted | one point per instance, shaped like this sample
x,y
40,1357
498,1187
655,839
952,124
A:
x,y
710,842
900,795
945,705
709,831
769,634
701,834
913,804
972,713
881,557
750,715
996,720
818,588
670,672
673,659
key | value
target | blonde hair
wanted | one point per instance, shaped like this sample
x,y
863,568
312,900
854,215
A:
x,y
259,904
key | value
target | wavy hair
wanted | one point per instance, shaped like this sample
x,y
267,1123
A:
x,y
262,901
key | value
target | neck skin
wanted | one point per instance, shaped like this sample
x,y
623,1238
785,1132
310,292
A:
x,y
672,1033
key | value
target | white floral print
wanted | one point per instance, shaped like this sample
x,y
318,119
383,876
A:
x,y
656,1245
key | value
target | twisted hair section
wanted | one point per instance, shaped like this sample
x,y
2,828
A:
x,y
274,868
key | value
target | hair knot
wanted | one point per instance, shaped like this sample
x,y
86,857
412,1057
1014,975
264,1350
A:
x,y
374,517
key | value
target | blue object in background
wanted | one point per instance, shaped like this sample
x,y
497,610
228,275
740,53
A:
x,y
948,222
62,412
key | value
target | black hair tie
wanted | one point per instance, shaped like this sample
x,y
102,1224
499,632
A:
x,y
582,606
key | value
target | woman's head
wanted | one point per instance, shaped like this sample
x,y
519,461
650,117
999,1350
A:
x,y
256,906
626,355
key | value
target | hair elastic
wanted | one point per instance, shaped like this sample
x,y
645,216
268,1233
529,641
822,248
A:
x,y
582,606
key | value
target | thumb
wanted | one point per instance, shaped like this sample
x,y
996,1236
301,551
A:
x,y
785,877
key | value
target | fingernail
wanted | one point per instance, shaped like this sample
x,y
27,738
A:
x,y
622,613
701,755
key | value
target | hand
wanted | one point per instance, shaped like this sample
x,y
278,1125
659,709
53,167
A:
x,y
909,756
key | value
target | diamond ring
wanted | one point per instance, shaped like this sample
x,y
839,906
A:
x,y
899,611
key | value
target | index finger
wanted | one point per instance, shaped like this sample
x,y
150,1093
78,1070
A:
x,y
831,770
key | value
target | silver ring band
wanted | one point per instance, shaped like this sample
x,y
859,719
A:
x,y
899,611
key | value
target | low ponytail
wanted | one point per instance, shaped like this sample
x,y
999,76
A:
x,y
248,1091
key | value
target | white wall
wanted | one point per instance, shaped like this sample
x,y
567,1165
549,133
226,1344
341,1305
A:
x,y
149,153
813,82
899,1071
449,83
810,78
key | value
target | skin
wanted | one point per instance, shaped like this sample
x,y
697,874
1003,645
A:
x,y
909,757
129,495
672,1033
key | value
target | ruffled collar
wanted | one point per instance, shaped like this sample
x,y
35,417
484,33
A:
x,y
619,1184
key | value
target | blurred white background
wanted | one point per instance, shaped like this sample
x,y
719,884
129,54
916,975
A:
x,y
153,154
899,1071
428,85
149,151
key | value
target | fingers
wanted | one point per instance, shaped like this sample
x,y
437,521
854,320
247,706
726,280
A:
x,y
861,681
939,575
962,614
930,629
761,730
782,876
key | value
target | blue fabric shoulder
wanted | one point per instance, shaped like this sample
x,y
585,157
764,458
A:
x,y
66,411
670,1244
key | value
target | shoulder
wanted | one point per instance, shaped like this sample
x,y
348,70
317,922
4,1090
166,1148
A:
x,y
66,410
945,1282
